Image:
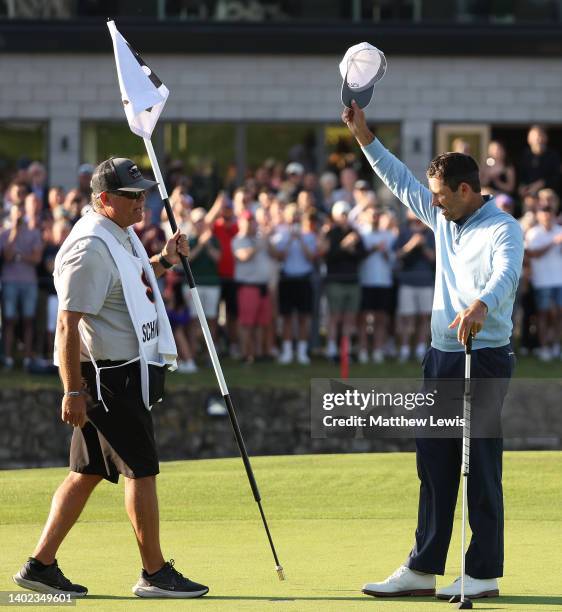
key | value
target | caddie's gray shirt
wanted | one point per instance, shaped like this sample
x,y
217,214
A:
x,y
90,283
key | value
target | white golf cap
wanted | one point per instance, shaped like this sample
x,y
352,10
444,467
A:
x,y
341,207
198,214
361,67
295,168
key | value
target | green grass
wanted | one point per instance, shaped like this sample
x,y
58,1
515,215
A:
x,y
291,376
337,521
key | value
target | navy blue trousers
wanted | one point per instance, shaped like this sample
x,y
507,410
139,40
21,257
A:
x,y
439,465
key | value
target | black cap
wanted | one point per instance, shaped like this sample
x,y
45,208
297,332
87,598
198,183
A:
x,y
119,174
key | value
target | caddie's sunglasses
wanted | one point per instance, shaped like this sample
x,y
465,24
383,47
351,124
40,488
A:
x,y
130,195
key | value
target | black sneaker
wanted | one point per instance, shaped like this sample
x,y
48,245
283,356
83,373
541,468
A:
x,y
47,579
168,582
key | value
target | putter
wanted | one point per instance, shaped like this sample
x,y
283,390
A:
x,y
462,602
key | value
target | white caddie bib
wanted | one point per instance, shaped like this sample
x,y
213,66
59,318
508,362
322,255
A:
x,y
142,297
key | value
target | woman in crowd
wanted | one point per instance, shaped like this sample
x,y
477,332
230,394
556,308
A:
x,y
497,175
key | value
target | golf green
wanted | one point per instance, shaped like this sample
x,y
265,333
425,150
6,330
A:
x,y
337,521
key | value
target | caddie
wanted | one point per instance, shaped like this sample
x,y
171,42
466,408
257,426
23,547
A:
x,y
113,345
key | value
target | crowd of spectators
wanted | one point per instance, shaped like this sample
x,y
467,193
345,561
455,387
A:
x,y
289,262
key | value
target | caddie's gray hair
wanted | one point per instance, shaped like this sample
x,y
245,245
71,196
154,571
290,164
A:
x,y
96,202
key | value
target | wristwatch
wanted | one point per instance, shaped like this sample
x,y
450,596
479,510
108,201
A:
x,y
164,262
73,393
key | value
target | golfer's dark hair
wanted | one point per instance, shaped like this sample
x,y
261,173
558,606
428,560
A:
x,y
454,169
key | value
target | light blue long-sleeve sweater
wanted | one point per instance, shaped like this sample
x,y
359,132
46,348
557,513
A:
x,y
480,259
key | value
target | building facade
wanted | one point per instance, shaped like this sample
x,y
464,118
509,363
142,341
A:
x,y
238,99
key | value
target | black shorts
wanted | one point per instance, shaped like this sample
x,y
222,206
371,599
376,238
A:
x,y
120,441
295,295
377,298
229,296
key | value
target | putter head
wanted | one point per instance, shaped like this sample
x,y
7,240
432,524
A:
x,y
280,572
464,604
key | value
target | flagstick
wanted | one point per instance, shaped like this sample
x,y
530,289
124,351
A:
x,y
213,353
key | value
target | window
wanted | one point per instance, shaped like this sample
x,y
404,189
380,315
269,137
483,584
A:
x,y
217,155
470,138
258,11
198,144
21,142
282,142
341,150
514,138
204,151
102,140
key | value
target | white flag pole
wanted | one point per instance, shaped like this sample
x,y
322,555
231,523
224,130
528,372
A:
x,y
213,353
191,281
144,96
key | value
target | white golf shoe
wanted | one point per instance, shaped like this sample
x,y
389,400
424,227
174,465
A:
x,y
285,358
363,357
302,353
404,354
187,367
403,582
474,588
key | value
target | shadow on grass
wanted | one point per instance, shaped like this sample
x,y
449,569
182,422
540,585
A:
x,y
266,598
536,600
117,597
241,598
520,600
490,603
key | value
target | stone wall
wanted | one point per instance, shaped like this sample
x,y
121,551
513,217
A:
x,y
273,421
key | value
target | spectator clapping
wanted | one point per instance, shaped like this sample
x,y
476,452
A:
x,y
288,254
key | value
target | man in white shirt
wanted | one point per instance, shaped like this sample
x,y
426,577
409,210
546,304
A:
x,y
543,245
375,278
348,179
296,247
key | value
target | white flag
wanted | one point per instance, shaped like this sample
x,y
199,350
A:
x,y
142,92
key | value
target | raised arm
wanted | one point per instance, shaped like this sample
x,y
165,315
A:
x,y
394,174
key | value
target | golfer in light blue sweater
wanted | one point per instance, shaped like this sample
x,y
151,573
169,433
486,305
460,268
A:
x,y
479,254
